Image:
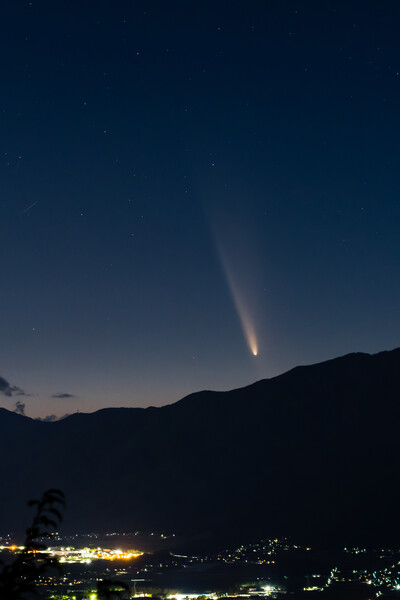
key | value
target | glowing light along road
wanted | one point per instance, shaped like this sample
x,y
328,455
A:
x,y
240,304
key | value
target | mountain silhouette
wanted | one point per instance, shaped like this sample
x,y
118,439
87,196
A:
x,y
311,453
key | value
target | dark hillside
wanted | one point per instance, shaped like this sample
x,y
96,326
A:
x,y
312,452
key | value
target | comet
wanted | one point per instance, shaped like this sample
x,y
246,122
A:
x,y
241,307
233,242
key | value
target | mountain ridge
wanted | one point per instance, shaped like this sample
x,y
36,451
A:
x,y
309,451
294,369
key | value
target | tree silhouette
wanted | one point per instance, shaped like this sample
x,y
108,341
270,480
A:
x,y
108,589
18,579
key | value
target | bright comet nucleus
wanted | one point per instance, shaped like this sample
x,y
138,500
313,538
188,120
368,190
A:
x,y
244,316
233,232
240,304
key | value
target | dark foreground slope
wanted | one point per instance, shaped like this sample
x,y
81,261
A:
x,y
313,452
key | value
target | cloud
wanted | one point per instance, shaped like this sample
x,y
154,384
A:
x,y
52,418
19,408
48,419
63,395
10,390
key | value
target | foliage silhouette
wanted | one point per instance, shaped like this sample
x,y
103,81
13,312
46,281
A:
x,y
108,589
18,579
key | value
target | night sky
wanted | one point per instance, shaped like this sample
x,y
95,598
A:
x,y
184,184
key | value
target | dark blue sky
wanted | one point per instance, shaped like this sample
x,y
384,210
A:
x,y
172,172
